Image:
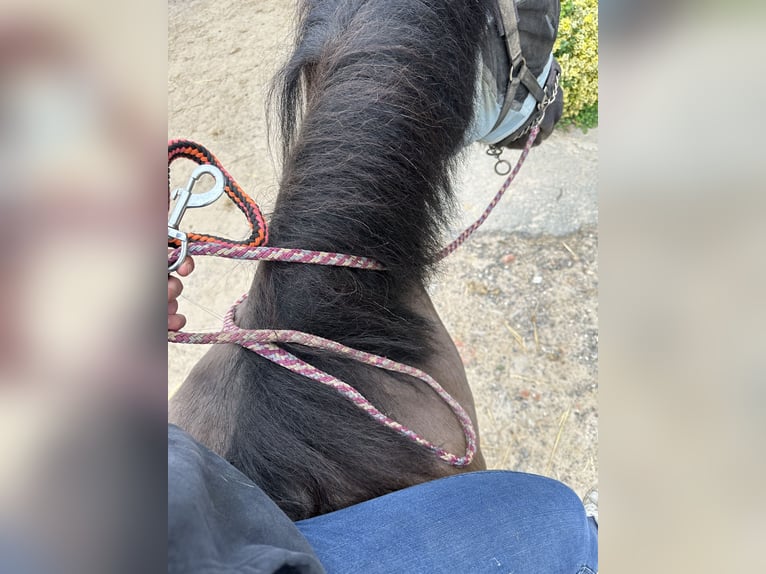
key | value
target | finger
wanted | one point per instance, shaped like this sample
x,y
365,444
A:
x,y
176,322
186,267
172,307
175,288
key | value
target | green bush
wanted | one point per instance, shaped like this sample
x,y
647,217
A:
x,y
576,49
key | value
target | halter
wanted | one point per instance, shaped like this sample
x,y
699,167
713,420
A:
x,y
508,29
511,124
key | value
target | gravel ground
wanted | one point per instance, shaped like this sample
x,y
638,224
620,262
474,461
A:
x,y
523,312
520,298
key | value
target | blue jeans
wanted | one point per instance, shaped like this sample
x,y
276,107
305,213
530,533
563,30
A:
x,y
493,521
497,521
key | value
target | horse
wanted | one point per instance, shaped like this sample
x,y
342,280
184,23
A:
x,y
374,106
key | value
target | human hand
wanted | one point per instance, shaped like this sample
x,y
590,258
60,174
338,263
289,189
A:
x,y
176,321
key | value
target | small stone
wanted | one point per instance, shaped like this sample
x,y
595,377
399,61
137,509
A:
x,y
508,259
554,355
537,279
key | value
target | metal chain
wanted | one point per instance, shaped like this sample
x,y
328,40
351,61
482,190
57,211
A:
x,y
543,106
503,167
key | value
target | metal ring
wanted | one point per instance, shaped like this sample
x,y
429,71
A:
x,y
502,171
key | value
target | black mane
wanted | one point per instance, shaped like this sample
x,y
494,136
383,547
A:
x,y
373,108
384,89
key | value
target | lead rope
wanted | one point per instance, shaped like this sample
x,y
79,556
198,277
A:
x,y
264,341
460,239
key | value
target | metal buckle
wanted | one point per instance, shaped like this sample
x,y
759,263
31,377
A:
x,y
185,198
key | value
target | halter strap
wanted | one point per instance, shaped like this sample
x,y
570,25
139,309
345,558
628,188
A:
x,y
519,73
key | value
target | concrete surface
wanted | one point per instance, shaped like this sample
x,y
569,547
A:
x,y
555,192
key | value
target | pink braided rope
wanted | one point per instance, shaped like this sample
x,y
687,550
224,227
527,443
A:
x,y
262,342
460,239
265,253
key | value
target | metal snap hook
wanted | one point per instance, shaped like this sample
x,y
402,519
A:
x,y
180,236
185,198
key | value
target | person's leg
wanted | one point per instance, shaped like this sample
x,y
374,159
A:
x,y
494,521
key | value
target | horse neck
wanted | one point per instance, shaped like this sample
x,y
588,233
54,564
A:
x,y
388,99
388,90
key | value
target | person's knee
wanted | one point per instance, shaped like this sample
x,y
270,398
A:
x,y
548,510
539,493
556,495
572,538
